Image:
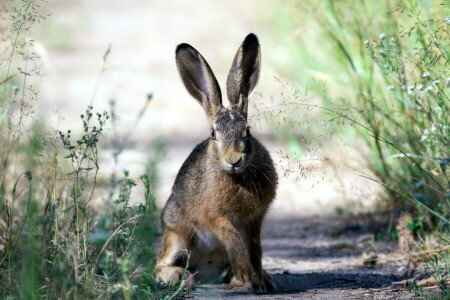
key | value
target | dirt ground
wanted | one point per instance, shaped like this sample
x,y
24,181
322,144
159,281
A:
x,y
309,253
326,258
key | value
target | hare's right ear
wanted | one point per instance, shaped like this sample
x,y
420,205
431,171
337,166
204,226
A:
x,y
244,73
199,79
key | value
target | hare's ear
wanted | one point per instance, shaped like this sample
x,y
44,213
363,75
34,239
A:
x,y
244,73
199,79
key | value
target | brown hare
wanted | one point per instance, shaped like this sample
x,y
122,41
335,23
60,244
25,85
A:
x,y
224,188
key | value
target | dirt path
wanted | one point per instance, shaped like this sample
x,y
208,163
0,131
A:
x,y
323,258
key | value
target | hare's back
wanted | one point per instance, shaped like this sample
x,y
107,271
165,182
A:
x,y
192,171
187,183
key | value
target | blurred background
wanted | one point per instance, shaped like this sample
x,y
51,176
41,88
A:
x,y
142,36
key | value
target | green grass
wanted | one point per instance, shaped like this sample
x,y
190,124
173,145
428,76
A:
x,y
377,74
54,242
385,79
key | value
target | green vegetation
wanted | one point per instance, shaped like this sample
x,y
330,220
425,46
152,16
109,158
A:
x,y
66,232
386,79
378,71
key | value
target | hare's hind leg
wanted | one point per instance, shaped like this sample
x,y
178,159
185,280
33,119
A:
x,y
172,247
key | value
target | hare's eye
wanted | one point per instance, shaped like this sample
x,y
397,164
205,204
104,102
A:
x,y
213,134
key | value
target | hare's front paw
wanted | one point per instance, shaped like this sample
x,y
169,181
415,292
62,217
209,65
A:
x,y
174,275
243,275
263,283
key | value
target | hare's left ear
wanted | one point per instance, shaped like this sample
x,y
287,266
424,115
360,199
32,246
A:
x,y
199,79
244,73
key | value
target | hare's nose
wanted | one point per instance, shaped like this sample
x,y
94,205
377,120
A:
x,y
235,162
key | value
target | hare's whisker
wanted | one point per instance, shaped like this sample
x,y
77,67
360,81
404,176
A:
x,y
262,172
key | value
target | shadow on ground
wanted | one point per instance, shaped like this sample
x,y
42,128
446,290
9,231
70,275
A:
x,y
341,284
323,258
288,283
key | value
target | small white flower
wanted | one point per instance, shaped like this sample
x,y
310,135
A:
x,y
390,87
447,81
428,88
366,42
447,20
418,107
436,81
437,109
425,131
392,41
436,92
410,87
419,87
423,138
382,35
403,87
433,128
425,74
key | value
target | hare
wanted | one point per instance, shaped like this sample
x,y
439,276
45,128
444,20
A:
x,y
224,188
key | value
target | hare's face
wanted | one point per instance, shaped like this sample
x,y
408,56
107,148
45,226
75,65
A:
x,y
231,146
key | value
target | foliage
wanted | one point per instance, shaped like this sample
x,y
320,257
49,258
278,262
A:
x,y
64,231
384,78
377,73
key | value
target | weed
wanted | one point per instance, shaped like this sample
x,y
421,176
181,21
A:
x,y
416,289
388,75
62,234
381,84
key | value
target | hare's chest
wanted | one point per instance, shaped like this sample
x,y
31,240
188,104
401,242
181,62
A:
x,y
242,197
244,201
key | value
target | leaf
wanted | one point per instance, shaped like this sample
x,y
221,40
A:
x,y
68,209
428,281
15,186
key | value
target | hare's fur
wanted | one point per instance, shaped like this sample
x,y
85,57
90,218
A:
x,y
224,188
